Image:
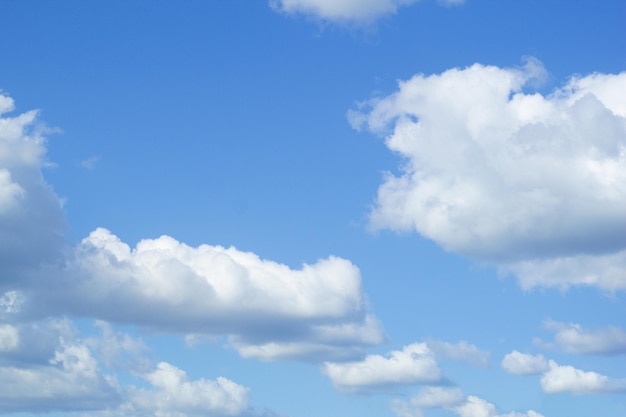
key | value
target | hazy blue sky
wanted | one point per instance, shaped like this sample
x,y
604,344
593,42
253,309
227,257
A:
x,y
313,208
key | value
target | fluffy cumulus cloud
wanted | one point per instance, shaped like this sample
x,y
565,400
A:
x,y
535,183
174,395
524,364
266,309
569,379
346,10
451,399
31,215
561,378
414,364
49,367
573,338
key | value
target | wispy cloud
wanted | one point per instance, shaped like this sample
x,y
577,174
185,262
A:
x,y
90,163
574,338
524,364
461,351
365,11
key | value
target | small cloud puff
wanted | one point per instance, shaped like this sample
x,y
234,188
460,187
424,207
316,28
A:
x,y
414,364
343,11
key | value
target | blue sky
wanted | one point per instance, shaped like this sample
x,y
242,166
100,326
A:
x,y
305,208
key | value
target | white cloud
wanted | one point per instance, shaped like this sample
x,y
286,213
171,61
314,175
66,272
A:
x,y
560,378
167,285
427,398
9,337
340,10
451,399
174,395
346,10
414,364
90,163
118,350
461,351
524,364
569,379
49,367
534,183
478,407
573,338
324,342
604,271
31,218
70,381
268,310
10,192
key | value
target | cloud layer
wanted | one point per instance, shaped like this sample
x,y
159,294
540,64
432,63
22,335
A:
x,y
535,183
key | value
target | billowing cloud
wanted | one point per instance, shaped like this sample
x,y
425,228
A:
x,y
346,10
461,351
573,338
173,394
524,364
266,309
31,217
414,364
569,379
534,183
451,399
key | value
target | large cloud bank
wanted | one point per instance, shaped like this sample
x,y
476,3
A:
x,y
535,183
265,309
